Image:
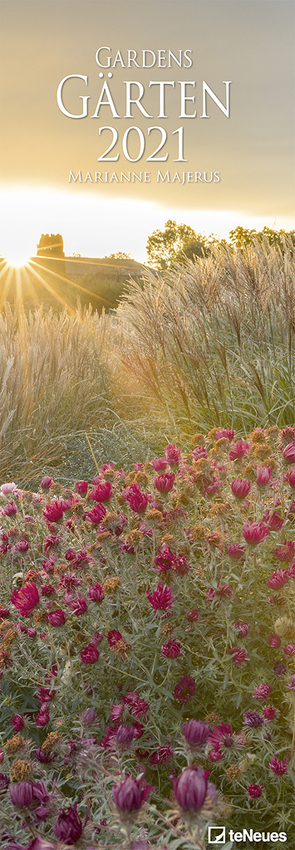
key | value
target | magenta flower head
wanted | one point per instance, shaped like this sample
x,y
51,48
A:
x,y
96,515
190,789
101,492
171,649
158,463
95,592
270,712
46,482
196,732
254,532
68,825
54,511
161,599
81,487
255,790
278,579
289,453
172,453
88,717
89,654
278,766
240,488
136,500
17,722
42,718
21,794
291,478
264,474
262,692
253,719
274,641
125,736
56,618
185,689
239,654
243,629
240,449
129,797
226,433
235,551
164,482
25,599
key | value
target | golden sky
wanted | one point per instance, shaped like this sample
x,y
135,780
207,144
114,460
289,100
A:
x,y
247,42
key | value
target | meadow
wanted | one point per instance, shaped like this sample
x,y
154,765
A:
x,y
147,553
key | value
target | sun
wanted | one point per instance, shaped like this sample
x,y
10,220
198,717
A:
x,y
16,259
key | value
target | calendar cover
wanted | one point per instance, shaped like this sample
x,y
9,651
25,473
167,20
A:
x,y
147,424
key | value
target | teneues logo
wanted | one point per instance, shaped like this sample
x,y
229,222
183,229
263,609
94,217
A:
x,y
217,835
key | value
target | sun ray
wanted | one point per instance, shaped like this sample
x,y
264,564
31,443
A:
x,y
30,285
4,294
76,285
51,290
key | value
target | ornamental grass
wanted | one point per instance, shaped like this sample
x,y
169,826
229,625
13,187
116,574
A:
x,y
147,649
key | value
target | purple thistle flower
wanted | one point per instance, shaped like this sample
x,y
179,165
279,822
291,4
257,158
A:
x,y
195,732
252,718
129,796
68,825
190,789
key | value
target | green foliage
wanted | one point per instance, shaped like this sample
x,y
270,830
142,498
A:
x,y
167,247
240,238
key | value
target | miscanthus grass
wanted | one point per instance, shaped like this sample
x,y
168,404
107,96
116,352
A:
x,y
211,342
147,649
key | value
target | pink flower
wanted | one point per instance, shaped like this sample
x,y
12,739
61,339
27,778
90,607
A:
x,y
243,629
223,738
278,766
264,474
81,487
161,599
190,789
46,482
161,755
192,615
291,478
240,449
9,487
164,483
199,452
255,790
56,618
269,712
89,654
286,551
254,532
274,521
10,508
215,755
236,551
130,795
42,718
278,579
54,511
96,515
171,649
79,605
239,654
292,683
25,599
17,722
274,640
136,499
289,453
226,433
68,825
240,488
159,463
289,650
262,692
113,636
172,453
185,689
21,546
101,492
95,592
